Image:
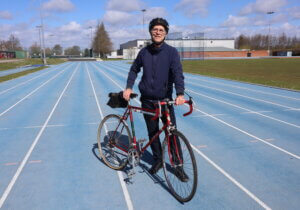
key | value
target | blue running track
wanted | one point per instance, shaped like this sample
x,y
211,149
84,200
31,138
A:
x,y
246,139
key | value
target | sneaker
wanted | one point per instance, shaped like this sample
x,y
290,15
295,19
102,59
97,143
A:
x,y
155,167
181,175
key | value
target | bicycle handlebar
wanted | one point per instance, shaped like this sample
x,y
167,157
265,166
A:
x,y
168,102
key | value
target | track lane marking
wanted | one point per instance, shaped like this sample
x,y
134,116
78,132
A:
x,y
24,161
251,135
228,176
254,112
120,175
32,92
22,83
235,86
240,95
248,110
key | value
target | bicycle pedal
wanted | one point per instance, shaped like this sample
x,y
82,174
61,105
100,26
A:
x,y
130,173
128,181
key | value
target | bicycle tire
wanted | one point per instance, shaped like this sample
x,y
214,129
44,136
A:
x,y
182,191
113,133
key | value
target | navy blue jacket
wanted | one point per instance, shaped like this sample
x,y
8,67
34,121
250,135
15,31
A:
x,y
161,69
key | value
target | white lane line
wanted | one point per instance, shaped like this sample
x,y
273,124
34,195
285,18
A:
x,y
217,167
23,83
254,112
240,95
255,137
250,194
278,120
120,175
49,126
24,161
204,115
295,109
31,92
238,87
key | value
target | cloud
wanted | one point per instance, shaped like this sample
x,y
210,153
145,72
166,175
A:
x,y
126,6
115,17
294,12
58,6
72,27
235,21
154,12
193,7
263,6
5,15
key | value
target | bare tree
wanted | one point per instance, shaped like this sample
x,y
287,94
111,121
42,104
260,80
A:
x,y
13,43
35,49
258,42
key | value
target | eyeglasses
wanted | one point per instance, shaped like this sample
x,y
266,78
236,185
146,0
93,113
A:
x,y
157,30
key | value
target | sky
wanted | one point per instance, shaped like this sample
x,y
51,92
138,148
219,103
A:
x,y
73,22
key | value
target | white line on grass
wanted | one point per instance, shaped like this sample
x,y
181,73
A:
x,y
24,161
218,167
120,175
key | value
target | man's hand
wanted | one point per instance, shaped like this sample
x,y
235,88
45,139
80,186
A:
x,y
180,100
126,94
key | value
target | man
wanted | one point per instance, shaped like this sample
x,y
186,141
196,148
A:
x,y
161,69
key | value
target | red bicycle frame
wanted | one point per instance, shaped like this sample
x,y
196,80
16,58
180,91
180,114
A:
x,y
156,113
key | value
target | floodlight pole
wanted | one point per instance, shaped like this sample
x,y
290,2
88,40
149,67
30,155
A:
x,y
91,35
143,10
39,27
43,39
269,13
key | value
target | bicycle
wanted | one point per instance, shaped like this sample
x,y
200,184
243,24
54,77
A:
x,y
118,146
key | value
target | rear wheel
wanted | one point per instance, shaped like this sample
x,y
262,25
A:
x,y
180,167
114,140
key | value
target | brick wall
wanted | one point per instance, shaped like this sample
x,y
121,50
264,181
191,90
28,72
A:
x,y
254,53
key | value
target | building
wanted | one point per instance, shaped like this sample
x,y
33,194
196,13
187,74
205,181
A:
x,y
193,48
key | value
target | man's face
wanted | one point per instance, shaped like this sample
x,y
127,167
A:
x,y
158,33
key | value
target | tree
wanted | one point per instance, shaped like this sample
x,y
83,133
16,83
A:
x,y
35,50
101,43
86,52
48,52
242,42
75,50
13,43
57,50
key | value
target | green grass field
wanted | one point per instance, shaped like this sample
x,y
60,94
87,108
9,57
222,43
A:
x,y
277,72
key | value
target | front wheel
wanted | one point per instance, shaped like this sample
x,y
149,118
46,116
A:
x,y
180,166
114,140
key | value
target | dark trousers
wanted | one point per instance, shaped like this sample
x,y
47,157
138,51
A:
x,y
153,127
